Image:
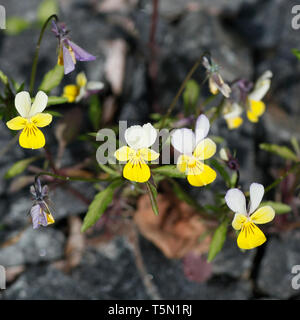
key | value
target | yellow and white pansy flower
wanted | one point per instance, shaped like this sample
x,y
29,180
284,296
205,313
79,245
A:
x,y
194,148
250,235
30,119
78,91
139,140
232,114
256,107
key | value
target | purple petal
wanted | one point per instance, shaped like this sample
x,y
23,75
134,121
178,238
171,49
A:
x,y
80,54
69,65
45,191
38,217
55,28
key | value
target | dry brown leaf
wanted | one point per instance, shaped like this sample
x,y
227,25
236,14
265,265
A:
x,y
115,64
75,244
107,6
13,272
177,228
19,183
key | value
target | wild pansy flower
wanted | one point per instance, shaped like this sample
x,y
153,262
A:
x,y
40,212
215,81
245,220
255,107
31,118
139,139
82,88
244,96
194,148
69,52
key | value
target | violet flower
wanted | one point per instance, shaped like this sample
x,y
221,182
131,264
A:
x,y
40,212
69,52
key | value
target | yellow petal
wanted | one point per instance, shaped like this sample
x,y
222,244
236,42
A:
x,y
212,86
205,149
250,236
71,92
50,218
182,162
17,123
256,109
124,153
136,171
263,215
238,221
81,79
148,154
201,175
31,137
41,119
234,123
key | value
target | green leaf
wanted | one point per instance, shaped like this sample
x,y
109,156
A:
x,y
282,151
224,174
152,191
191,95
19,167
108,170
217,139
46,9
233,179
218,240
56,100
15,25
52,78
279,207
296,53
295,145
3,78
169,171
55,113
95,111
99,205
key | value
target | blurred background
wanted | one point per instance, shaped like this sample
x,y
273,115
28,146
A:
x,y
142,59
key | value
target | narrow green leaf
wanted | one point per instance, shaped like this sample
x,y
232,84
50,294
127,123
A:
x,y
99,205
46,9
3,78
19,167
222,171
95,111
169,171
279,207
152,194
282,151
296,53
52,78
15,25
218,240
108,170
52,100
191,95
295,145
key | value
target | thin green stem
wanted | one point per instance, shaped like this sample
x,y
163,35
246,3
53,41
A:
x,y
67,178
281,178
37,51
187,78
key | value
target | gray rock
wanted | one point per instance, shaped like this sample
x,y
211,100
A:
x,y
110,272
34,246
232,261
168,276
275,272
44,283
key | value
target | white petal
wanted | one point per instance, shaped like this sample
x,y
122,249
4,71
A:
x,y
183,140
256,194
94,85
150,135
236,201
135,137
39,104
262,86
233,110
202,128
23,103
